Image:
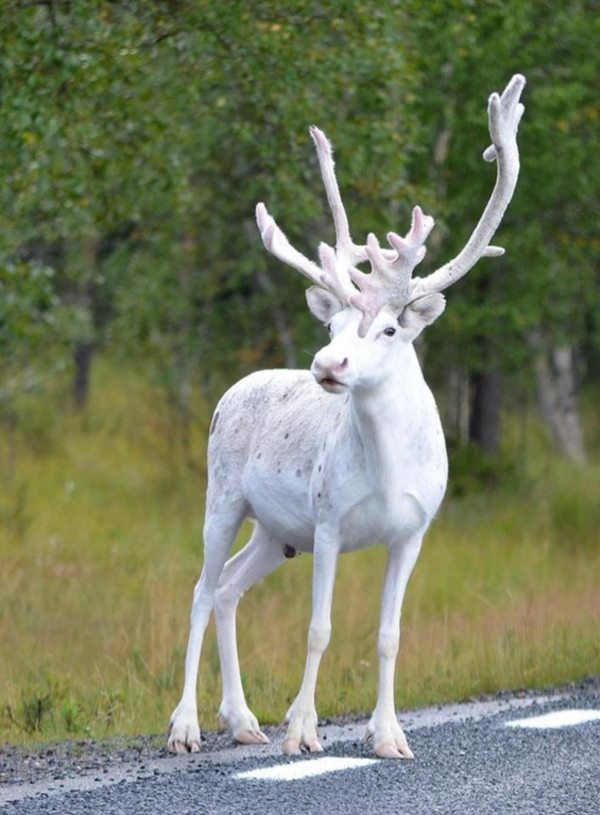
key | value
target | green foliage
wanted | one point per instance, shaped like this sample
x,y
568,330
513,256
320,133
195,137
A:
x,y
548,276
167,126
14,518
473,470
136,139
35,706
26,305
573,506
28,314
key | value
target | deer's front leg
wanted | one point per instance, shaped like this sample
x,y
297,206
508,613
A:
x,y
302,716
388,739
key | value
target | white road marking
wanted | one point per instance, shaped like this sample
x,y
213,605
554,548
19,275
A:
x,y
558,718
305,769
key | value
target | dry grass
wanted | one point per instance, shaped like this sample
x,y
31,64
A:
x,y
100,548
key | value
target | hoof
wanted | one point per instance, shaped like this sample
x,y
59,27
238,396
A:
x,y
388,738
251,737
180,747
242,723
184,733
291,747
392,751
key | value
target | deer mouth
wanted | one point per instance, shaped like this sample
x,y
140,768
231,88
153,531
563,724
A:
x,y
331,385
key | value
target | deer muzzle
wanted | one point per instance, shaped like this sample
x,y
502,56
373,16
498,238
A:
x,y
330,371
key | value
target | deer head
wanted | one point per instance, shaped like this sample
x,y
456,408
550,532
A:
x,y
371,314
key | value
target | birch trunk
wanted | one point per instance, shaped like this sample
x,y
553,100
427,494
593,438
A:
x,y
556,386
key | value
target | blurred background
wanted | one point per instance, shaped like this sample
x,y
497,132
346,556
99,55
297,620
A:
x,y
135,140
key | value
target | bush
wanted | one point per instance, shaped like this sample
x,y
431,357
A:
x,y
473,470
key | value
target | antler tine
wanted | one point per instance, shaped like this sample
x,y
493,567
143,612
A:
x,y
347,251
390,278
504,115
276,242
334,275
411,248
331,276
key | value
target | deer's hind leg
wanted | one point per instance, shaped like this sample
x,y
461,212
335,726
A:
x,y
302,715
220,529
258,558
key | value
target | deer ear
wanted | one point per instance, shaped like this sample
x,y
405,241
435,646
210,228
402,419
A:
x,y
322,304
422,312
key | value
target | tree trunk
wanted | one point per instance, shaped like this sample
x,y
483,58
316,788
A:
x,y
557,395
457,407
82,359
86,295
484,425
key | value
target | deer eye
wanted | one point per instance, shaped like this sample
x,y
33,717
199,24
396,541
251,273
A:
x,y
389,332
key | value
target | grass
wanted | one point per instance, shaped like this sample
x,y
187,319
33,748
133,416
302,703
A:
x,y
100,548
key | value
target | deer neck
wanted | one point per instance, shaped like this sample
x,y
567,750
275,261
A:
x,y
390,419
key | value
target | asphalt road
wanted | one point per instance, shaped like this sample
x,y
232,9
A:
x,y
468,760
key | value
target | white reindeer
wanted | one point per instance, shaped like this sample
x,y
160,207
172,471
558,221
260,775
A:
x,y
342,457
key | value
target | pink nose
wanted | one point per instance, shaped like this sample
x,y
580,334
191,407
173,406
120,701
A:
x,y
328,367
340,366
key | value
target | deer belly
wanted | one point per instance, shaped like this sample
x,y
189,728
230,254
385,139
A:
x,y
281,506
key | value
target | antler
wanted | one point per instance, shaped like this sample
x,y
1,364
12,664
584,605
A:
x,y
504,113
330,275
347,252
390,281
333,272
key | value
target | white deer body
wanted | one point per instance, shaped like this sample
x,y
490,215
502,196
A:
x,y
343,457
298,455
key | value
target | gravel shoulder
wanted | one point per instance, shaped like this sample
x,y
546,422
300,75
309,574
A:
x,y
105,761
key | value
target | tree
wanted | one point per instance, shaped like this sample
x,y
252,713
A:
x,y
170,123
546,282
136,139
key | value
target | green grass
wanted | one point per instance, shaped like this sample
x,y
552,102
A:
x,y
100,547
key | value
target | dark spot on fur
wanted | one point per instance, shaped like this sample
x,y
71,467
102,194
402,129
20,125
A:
x,y
289,551
278,470
287,435
214,422
320,468
318,495
298,473
259,455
